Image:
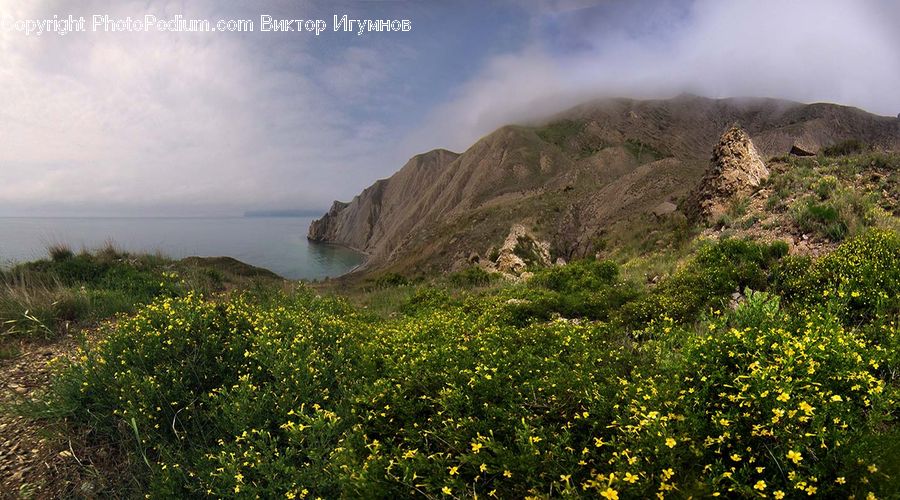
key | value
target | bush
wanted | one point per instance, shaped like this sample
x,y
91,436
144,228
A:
x,y
823,219
60,252
707,281
585,289
863,275
578,276
776,402
472,277
298,396
425,300
845,148
388,280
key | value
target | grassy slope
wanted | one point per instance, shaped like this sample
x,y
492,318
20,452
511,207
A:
x,y
587,379
68,291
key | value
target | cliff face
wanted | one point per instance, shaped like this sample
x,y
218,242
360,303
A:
x,y
598,164
374,217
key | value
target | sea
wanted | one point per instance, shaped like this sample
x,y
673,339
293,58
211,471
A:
x,y
278,244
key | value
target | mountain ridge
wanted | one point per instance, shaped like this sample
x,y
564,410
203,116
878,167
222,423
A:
x,y
571,176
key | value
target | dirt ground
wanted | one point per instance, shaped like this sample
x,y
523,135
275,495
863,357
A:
x,y
35,460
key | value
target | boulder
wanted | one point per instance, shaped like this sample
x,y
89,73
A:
x,y
797,150
664,208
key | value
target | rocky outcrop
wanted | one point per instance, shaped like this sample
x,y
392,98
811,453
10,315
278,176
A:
x,y
736,169
519,250
326,228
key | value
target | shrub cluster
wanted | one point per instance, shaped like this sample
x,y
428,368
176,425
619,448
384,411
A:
x,y
46,296
299,396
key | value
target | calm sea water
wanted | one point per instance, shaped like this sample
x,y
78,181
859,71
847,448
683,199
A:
x,y
278,243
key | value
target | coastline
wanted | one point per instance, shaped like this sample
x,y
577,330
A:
x,y
365,255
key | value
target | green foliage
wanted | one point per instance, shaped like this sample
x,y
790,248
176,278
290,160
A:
x,y
585,289
60,252
707,280
472,277
560,132
863,275
47,297
826,186
642,151
528,250
388,280
845,148
578,276
860,280
276,395
736,210
425,300
52,296
823,219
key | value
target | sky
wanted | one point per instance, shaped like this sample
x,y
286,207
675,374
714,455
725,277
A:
x,y
204,124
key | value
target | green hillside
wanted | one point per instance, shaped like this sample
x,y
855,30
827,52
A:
x,y
744,368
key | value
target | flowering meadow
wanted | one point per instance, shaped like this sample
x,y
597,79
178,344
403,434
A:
x,y
576,384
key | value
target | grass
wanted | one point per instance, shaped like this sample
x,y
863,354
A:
x,y
845,148
545,388
587,380
560,132
68,290
642,151
836,197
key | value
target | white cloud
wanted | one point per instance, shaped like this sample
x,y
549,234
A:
x,y
195,123
139,121
809,50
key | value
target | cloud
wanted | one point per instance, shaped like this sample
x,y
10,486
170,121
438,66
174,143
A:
x,y
160,123
809,50
190,124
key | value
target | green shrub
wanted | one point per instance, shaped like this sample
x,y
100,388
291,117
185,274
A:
x,y
53,295
823,219
298,396
585,289
845,148
472,277
578,276
790,277
826,186
707,281
863,275
60,252
425,300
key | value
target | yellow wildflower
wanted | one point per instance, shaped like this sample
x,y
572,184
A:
x,y
610,494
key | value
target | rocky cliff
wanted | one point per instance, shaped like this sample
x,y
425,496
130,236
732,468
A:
x,y
570,178
374,218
